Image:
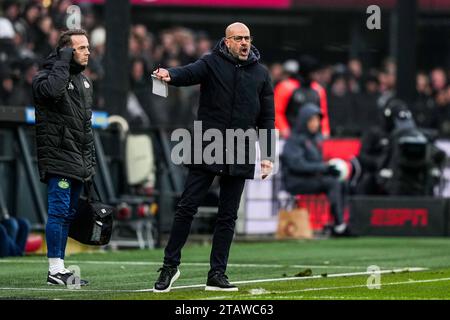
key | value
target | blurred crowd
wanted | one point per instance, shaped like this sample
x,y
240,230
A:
x,y
355,94
29,31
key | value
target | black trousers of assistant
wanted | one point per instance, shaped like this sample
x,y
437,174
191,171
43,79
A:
x,y
195,189
335,190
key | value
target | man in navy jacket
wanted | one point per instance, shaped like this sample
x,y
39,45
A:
x,y
303,169
236,93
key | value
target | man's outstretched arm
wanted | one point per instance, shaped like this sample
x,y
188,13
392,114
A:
x,y
191,74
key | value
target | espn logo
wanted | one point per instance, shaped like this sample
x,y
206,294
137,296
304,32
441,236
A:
x,y
399,217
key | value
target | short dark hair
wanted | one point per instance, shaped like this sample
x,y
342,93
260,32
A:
x,y
65,39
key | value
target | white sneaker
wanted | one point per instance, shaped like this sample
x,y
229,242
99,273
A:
x,y
340,228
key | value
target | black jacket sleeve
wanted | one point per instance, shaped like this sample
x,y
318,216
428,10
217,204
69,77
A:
x,y
191,74
266,121
51,84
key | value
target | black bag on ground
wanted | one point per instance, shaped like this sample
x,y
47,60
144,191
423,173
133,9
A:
x,y
93,222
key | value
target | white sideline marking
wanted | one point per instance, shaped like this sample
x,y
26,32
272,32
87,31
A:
x,y
151,263
335,288
336,275
362,286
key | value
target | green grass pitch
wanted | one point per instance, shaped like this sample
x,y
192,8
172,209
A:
x,y
263,270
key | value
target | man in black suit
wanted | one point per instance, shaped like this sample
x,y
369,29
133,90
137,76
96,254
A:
x,y
236,93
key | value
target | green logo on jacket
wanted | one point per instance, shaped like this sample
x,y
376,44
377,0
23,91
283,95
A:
x,y
63,184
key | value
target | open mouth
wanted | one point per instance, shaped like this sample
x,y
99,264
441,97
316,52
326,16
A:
x,y
244,51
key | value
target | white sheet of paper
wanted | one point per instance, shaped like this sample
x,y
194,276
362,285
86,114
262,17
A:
x,y
159,87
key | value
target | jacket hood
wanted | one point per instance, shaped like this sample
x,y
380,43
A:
x,y
221,49
306,112
50,60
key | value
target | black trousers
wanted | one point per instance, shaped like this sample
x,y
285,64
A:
x,y
196,188
335,190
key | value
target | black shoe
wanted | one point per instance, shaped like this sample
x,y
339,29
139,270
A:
x,y
166,278
219,282
64,279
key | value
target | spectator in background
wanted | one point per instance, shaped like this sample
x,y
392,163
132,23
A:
x,y
29,24
59,13
7,34
11,11
365,104
168,50
139,89
44,28
445,129
438,80
282,95
308,91
134,49
387,79
423,86
185,39
424,108
305,172
145,43
89,18
13,236
95,70
203,44
10,93
22,91
375,145
22,48
276,73
440,96
98,42
442,99
323,76
340,106
355,68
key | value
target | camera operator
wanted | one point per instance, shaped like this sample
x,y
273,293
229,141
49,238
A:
x,y
398,158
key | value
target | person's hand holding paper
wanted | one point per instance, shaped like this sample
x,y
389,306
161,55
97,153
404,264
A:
x,y
162,74
160,77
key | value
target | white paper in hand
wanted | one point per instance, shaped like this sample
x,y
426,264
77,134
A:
x,y
159,87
